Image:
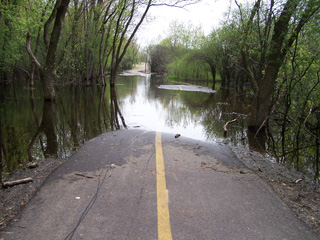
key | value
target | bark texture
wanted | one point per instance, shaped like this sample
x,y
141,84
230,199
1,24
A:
x,y
262,102
47,69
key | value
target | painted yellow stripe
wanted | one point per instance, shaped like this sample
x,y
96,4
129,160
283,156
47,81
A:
x,y
164,229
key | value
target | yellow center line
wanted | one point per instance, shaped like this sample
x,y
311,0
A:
x,y
164,229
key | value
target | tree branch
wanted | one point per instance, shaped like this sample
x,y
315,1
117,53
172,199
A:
x,y
244,54
135,30
48,23
310,10
32,56
177,4
16,182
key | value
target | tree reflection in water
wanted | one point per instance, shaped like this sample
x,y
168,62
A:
x,y
115,111
47,127
32,129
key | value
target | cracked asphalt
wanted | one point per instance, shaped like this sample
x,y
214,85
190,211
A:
x,y
108,190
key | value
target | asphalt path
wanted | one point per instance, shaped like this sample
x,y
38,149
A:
x,y
134,184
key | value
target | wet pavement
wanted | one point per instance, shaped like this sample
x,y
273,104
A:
x,y
109,189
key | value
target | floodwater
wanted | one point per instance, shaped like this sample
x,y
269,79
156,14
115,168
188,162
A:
x,y
33,130
195,114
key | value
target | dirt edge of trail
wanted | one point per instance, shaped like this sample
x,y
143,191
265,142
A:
x,y
301,194
13,199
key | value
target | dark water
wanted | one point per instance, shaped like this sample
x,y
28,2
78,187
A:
x,y
33,130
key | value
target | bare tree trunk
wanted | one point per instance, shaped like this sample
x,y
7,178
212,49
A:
x,y
47,71
115,111
280,45
262,102
48,76
101,72
119,52
36,47
46,127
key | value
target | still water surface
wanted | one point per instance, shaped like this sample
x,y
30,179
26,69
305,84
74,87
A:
x,y
31,129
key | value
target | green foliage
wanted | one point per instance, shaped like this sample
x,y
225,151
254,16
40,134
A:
x,y
298,104
174,54
184,35
88,32
172,78
130,58
14,24
186,68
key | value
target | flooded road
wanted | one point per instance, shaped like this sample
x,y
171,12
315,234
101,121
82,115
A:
x,y
194,114
32,130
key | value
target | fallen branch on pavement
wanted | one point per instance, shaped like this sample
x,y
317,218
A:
x,y
82,175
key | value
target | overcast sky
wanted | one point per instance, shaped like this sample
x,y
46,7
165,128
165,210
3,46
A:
x,y
207,13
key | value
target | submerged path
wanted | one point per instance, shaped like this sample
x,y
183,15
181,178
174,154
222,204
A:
x,y
134,184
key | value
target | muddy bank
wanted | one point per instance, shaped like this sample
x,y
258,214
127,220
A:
x,y
298,192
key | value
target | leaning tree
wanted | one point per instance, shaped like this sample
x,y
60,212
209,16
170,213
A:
x,y
286,27
48,67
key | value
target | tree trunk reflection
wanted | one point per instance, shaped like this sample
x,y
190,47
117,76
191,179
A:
x,y
115,111
46,127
